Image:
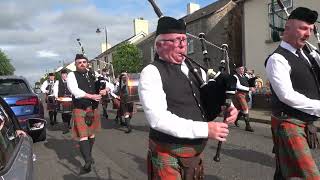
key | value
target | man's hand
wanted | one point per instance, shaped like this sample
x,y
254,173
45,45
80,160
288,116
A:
x,y
103,92
252,89
21,133
218,131
95,97
232,115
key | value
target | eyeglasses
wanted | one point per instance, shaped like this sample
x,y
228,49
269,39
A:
x,y
177,41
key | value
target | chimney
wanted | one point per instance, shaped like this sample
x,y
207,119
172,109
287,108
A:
x,y
192,7
140,25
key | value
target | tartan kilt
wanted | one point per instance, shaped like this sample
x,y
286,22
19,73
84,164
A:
x,y
293,155
240,101
80,128
162,161
51,103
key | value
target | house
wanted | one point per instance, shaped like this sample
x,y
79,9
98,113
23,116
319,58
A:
x,y
260,39
104,59
220,22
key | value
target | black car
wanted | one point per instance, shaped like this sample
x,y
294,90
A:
x,y
26,104
16,155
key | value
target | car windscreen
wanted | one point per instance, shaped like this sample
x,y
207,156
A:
x,y
13,87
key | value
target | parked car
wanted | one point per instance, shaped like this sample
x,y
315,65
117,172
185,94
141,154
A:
x,y
26,104
16,155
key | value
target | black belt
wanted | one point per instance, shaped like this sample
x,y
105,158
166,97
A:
x,y
303,117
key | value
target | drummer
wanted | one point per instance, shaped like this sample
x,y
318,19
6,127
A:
x,y
47,88
62,92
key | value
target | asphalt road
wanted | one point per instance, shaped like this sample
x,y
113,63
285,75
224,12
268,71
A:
x,y
120,156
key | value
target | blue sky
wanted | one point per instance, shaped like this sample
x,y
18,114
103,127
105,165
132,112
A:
x,y
38,35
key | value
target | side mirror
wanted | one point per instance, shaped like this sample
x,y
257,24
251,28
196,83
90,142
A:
x,y
36,124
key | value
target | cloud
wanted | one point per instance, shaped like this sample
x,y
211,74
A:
x,y
39,35
47,54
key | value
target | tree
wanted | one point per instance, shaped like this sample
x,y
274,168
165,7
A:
x,y
127,58
6,67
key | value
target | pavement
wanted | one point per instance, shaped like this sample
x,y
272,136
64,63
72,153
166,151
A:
x,y
256,115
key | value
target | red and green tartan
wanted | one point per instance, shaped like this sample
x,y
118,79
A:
x,y
240,101
162,159
293,155
80,128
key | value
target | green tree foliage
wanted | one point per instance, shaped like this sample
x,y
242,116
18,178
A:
x,y
6,67
127,58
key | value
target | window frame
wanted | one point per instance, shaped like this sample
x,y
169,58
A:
x,y
18,141
278,21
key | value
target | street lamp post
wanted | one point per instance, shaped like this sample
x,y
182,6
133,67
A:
x,y
106,33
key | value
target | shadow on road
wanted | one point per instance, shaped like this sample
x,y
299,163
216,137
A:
x,y
65,149
76,177
210,177
249,156
141,162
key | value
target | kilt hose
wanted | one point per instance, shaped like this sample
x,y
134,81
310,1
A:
x,y
292,153
240,102
163,162
80,129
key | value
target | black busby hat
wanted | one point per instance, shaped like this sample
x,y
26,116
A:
x,y
80,56
239,65
168,24
64,71
304,14
51,74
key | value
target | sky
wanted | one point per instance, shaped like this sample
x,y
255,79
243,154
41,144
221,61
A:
x,y
40,35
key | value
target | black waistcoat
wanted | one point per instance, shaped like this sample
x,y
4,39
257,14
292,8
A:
x,y
86,82
63,89
243,81
49,87
183,97
303,81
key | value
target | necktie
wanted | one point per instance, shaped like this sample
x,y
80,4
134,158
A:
x,y
301,56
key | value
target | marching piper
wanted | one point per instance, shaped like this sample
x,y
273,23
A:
x,y
85,114
47,88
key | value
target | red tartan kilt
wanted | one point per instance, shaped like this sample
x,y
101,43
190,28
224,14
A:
x,y
116,103
240,101
80,128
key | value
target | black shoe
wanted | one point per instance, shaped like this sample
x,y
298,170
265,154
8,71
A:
x,y
51,123
249,128
107,116
65,131
236,123
86,168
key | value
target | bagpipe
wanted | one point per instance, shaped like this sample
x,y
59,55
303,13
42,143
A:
x,y
219,87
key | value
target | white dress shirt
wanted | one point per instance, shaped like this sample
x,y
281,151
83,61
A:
x,y
44,86
73,86
154,103
278,72
239,85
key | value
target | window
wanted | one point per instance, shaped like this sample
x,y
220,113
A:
x,y
190,46
277,18
8,138
13,86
